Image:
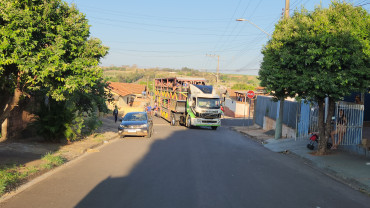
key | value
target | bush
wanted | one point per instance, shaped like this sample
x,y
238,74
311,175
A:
x,y
73,129
91,123
58,120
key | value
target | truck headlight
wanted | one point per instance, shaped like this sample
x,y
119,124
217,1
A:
x,y
143,126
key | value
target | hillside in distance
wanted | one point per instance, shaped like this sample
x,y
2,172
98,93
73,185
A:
x,y
133,74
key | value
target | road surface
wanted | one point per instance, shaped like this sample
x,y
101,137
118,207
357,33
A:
x,y
188,168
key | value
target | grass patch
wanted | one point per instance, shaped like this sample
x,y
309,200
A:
x,y
8,177
11,176
99,136
52,160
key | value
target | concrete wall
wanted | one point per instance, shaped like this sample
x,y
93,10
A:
x,y
269,124
236,109
242,109
229,108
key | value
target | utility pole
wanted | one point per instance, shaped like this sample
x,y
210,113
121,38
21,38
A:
x,y
218,65
279,120
286,14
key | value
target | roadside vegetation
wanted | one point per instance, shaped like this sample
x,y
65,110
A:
x,y
50,62
52,161
13,175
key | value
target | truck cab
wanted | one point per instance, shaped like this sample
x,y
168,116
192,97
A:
x,y
204,106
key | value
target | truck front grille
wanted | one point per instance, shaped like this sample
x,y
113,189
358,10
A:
x,y
209,121
209,115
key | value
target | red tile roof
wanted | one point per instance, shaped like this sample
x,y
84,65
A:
x,y
124,89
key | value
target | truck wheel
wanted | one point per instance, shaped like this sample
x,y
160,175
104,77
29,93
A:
x,y
214,127
188,121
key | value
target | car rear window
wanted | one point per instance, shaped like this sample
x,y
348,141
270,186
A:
x,y
135,117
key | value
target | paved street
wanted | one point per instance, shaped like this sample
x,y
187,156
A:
x,y
188,168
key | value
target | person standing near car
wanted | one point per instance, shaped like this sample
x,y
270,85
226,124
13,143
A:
x,y
149,110
222,111
115,114
154,110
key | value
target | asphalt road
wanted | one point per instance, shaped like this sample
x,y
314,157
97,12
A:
x,y
188,168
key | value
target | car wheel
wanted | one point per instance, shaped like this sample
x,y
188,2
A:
x,y
149,134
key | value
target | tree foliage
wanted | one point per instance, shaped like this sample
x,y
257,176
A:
x,y
243,87
45,44
46,47
319,54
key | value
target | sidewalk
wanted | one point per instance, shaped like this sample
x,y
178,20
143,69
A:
x,y
348,168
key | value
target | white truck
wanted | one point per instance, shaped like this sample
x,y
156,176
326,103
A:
x,y
188,101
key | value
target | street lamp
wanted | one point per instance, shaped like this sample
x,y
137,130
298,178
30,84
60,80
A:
x,y
245,20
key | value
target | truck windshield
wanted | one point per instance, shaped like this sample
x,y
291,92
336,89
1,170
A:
x,y
209,103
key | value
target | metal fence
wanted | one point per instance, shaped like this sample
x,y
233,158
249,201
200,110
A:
x,y
307,118
303,118
267,107
346,130
290,113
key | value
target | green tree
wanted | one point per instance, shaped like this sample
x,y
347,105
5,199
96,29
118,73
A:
x,y
319,54
243,87
45,47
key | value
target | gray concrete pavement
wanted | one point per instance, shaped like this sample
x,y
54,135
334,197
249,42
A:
x,y
181,167
349,168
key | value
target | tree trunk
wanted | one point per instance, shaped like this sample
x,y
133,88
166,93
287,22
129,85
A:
x,y
325,126
328,126
321,147
11,102
279,121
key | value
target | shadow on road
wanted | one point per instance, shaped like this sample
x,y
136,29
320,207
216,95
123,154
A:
x,y
236,122
192,168
156,181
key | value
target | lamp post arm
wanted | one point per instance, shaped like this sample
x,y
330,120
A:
x,y
255,26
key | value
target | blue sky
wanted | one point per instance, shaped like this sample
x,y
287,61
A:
x,y
177,34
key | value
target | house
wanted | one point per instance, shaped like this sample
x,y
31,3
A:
x,y
128,96
237,104
261,91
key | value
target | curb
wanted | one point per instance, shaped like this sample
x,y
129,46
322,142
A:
x,y
254,138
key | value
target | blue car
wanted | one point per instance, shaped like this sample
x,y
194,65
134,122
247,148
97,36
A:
x,y
136,124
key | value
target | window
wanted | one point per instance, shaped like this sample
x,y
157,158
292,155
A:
x,y
209,103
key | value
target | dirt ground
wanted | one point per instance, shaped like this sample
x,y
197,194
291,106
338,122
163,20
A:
x,y
28,151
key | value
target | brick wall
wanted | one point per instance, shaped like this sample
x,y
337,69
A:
x,y
16,123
